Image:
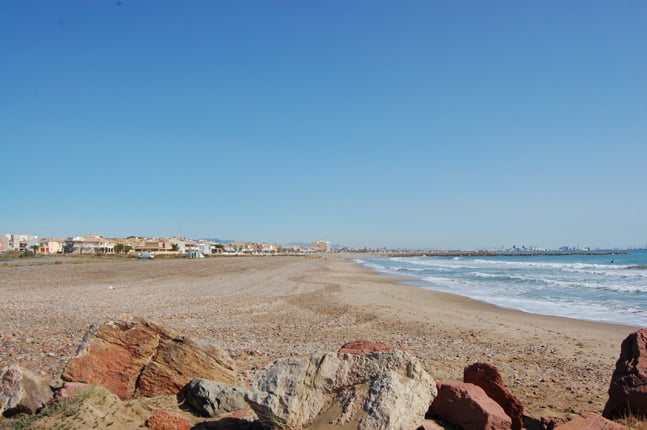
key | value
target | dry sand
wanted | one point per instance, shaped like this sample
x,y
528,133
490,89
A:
x,y
262,308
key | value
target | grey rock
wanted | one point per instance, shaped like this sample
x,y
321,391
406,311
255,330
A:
x,y
22,391
377,390
210,398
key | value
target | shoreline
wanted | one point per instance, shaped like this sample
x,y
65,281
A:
x,y
427,285
261,309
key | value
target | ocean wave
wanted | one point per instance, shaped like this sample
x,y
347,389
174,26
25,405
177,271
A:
x,y
586,288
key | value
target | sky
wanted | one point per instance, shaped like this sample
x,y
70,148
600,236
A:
x,y
401,124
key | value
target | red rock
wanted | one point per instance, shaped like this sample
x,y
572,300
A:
x,y
166,421
628,388
359,347
467,406
71,390
488,377
142,358
591,421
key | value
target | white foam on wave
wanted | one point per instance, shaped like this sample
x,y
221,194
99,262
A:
x,y
614,295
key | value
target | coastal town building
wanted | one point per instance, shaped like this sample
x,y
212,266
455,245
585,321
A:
x,y
182,245
321,246
96,244
237,246
4,242
88,244
162,245
51,246
15,242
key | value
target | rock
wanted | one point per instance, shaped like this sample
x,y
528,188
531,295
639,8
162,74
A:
x,y
230,423
628,388
489,379
166,421
591,421
547,423
142,358
71,390
210,398
22,391
469,407
359,347
376,390
430,425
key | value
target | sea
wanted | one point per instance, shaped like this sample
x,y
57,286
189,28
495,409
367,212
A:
x,y
605,288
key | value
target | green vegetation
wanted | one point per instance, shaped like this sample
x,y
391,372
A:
x,y
272,422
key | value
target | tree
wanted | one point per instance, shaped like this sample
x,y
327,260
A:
x,y
175,247
119,248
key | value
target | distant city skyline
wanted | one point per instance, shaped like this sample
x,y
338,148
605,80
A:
x,y
408,124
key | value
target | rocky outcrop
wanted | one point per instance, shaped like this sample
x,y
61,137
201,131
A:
x,y
628,389
376,390
469,407
22,391
591,421
143,358
359,347
210,398
489,379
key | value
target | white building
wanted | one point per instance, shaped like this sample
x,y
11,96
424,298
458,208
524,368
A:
x,y
88,244
321,246
15,242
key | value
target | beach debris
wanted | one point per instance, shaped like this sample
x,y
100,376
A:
x,y
22,391
469,407
210,398
489,379
376,390
589,421
627,391
139,357
359,347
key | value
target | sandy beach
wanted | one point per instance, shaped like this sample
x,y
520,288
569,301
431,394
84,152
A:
x,y
263,308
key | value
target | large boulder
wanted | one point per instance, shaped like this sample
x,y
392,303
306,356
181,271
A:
x,y
469,407
210,398
590,421
22,391
489,379
142,358
628,388
377,390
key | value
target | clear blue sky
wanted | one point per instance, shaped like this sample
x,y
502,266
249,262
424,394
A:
x,y
422,124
